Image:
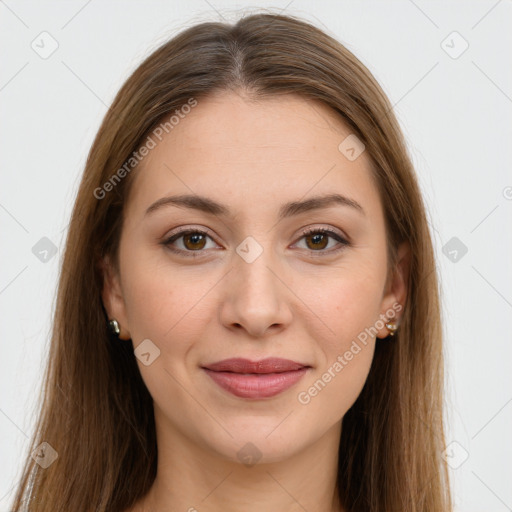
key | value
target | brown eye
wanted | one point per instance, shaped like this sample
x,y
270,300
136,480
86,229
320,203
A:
x,y
317,241
188,242
194,241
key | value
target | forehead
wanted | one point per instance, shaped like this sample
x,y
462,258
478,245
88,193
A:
x,y
252,153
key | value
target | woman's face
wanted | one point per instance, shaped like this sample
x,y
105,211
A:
x,y
256,285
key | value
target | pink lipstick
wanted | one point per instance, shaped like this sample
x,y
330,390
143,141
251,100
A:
x,y
256,379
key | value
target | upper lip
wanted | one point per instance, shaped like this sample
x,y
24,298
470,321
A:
x,y
268,365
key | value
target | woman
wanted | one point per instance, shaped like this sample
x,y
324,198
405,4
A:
x,y
248,314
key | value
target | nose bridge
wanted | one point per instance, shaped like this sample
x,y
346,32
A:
x,y
253,263
256,298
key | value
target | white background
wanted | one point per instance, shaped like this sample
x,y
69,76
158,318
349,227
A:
x,y
455,114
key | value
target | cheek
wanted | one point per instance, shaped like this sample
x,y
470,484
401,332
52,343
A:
x,y
161,305
346,301
168,308
351,308
332,391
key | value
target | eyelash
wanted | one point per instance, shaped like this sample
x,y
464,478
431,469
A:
x,y
195,254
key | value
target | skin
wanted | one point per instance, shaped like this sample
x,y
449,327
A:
x,y
297,300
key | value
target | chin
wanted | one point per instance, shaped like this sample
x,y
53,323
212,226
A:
x,y
260,440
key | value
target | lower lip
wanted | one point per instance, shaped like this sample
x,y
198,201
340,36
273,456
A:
x,y
263,385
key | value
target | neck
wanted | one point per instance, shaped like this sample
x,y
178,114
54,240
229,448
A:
x,y
194,478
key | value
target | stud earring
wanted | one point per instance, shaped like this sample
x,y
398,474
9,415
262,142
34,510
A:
x,y
392,327
114,327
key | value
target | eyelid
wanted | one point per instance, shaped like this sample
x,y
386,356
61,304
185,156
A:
x,y
327,230
182,231
341,238
187,229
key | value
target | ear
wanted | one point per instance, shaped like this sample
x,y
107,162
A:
x,y
112,296
395,295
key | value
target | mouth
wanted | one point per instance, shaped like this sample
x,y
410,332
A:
x,y
256,379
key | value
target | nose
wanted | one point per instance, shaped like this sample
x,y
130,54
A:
x,y
255,298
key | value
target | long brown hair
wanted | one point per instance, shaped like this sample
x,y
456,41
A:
x,y
95,410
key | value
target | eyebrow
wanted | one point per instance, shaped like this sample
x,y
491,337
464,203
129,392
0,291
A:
x,y
207,205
